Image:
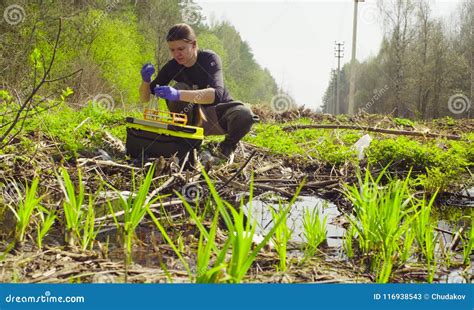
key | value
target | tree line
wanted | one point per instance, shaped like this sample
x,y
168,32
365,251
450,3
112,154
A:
x,y
103,44
423,70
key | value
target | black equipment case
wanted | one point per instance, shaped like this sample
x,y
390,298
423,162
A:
x,y
146,138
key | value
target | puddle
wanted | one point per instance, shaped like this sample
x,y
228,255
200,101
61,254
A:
x,y
457,276
470,192
446,222
335,232
464,198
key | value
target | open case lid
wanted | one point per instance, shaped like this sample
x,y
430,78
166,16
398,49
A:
x,y
177,130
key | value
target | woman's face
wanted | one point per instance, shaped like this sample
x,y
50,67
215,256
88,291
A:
x,y
183,52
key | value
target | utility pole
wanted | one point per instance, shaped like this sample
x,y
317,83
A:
x,y
333,97
339,50
350,108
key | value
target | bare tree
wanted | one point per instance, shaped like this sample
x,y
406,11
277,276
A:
x,y
25,107
438,72
399,18
424,32
156,17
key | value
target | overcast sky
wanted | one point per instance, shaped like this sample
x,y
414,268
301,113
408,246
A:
x,y
295,39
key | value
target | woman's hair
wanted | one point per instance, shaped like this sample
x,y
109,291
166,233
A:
x,y
181,32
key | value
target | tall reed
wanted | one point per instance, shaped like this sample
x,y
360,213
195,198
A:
x,y
230,261
134,208
72,206
89,230
47,219
27,203
423,227
315,231
282,235
382,216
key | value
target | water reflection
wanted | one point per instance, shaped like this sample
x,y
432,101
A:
x,y
261,213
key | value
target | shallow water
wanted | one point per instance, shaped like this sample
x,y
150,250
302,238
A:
x,y
449,220
457,276
261,213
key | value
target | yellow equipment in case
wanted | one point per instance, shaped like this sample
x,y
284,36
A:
x,y
162,133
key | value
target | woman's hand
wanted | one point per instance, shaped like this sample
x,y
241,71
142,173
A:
x,y
167,92
147,72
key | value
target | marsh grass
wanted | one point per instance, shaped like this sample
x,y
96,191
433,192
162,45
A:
x,y
423,226
315,231
46,221
72,206
171,243
468,244
24,211
89,231
134,208
406,249
228,262
348,244
241,232
382,216
282,234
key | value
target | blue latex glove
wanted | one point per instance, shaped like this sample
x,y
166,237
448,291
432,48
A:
x,y
147,72
167,92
